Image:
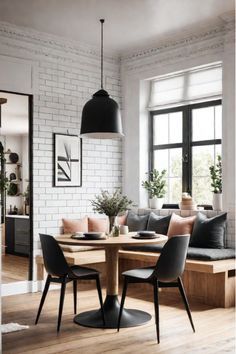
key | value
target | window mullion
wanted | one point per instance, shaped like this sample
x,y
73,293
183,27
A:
x,y
187,163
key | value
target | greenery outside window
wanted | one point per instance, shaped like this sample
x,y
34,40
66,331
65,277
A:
x,y
185,141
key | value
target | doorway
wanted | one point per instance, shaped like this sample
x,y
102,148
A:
x,y
16,187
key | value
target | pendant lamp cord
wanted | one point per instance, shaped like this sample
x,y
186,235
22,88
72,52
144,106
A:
x,y
102,22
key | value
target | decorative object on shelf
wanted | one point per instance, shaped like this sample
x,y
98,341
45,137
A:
x,y
101,115
67,160
216,184
156,187
13,157
187,202
111,204
12,189
26,196
12,176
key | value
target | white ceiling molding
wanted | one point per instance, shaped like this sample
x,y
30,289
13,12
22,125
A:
x,y
45,41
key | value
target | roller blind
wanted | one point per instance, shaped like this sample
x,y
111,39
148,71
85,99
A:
x,y
186,87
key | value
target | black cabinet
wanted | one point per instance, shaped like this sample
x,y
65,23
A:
x,y
17,235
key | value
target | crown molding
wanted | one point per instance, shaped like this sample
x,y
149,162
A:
x,y
41,43
217,30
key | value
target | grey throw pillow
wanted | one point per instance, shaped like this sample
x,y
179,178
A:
x,y
159,224
208,232
137,222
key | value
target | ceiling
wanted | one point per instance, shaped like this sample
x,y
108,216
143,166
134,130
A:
x,y
129,24
14,114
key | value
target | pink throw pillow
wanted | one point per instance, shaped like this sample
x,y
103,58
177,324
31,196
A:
x,y
70,226
122,219
180,226
98,225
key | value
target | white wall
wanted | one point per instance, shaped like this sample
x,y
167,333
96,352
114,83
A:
x,y
62,76
206,46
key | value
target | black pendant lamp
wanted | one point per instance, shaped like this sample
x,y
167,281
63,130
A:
x,y
101,115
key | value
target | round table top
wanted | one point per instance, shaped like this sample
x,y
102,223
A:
x,y
121,240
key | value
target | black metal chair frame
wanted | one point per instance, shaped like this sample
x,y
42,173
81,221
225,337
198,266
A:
x,y
60,272
166,274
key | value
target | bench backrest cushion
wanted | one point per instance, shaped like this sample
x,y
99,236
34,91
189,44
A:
x,y
71,226
209,232
137,222
98,224
180,225
159,224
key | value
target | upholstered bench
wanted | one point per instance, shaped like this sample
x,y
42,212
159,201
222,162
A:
x,y
210,267
209,281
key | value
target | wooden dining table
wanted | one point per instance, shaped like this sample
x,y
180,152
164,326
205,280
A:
x,y
130,317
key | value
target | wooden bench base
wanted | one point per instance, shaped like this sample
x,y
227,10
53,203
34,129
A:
x,y
211,282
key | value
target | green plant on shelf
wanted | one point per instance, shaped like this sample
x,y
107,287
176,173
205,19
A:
x,y
216,176
156,185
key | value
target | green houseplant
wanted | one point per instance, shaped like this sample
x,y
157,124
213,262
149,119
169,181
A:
x,y
111,204
156,187
216,183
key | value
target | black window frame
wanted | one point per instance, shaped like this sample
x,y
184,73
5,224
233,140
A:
x,y
186,143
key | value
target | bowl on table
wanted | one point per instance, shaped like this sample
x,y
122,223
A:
x,y
146,234
94,235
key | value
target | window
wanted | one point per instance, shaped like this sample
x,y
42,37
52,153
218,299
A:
x,y
185,141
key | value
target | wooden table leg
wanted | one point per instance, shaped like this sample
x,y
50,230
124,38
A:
x,y
112,267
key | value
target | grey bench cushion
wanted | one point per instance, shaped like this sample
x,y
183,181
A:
x,y
203,254
210,254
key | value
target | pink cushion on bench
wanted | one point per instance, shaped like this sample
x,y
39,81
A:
x,y
98,224
180,226
70,226
122,219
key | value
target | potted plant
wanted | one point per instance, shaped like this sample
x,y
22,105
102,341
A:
x,y
156,187
216,184
111,204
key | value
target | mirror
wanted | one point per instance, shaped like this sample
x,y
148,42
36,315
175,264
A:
x,y
15,187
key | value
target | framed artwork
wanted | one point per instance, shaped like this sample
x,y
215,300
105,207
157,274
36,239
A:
x,y
67,160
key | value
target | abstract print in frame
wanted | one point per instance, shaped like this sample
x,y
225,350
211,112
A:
x,y
67,160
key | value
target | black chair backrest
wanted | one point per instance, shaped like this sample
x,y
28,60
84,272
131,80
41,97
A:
x,y
171,262
54,259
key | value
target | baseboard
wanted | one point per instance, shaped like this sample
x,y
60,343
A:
x,y
24,287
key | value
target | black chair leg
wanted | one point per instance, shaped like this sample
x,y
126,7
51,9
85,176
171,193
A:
x,y
184,297
156,306
75,295
122,302
45,290
100,298
62,296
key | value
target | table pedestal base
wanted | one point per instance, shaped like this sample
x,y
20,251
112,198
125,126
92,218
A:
x,y
130,318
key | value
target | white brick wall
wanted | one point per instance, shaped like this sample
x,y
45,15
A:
x,y
64,80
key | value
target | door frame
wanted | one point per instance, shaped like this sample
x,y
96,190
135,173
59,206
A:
x,y
30,150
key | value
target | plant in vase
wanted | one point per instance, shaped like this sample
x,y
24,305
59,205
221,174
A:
x,y
216,183
111,204
156,187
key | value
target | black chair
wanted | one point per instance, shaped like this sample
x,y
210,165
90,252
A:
x,y
166,273
60,272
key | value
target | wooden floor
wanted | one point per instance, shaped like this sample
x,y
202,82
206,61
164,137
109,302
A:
x,y
214,327
14,268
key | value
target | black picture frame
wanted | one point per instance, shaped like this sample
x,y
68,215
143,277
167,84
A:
x,y
67,160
